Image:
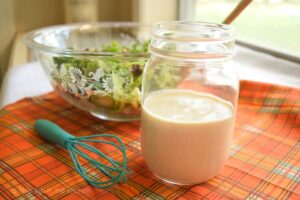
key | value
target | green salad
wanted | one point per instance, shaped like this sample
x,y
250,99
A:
x,y
110,82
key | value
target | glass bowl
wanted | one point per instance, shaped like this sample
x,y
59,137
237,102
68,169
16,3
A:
x,y
96,67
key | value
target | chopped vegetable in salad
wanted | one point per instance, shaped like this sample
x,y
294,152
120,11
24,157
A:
x,y
110,82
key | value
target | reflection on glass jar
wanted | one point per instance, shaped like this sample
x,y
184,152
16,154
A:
x,y
189,99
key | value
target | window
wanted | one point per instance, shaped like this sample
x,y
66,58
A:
x,y
273,25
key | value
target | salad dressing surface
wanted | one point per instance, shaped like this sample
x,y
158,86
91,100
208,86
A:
x,y
186,135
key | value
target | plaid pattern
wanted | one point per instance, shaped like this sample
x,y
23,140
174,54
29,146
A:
x,y
264,161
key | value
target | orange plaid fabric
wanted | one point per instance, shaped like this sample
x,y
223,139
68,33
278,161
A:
x,y
264,162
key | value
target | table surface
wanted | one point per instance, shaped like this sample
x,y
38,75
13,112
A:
x,y
264,160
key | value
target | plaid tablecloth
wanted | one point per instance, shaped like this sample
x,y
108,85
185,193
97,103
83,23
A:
x,y
264,161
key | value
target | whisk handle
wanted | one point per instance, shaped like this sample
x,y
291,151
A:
x,y
51,132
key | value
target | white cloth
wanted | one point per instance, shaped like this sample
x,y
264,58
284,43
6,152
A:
x,y
23,81
30,80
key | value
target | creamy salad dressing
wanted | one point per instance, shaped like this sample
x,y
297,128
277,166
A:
x,y
186,135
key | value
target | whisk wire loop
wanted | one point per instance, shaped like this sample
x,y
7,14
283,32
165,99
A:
x,y
96,151
97,164
103,168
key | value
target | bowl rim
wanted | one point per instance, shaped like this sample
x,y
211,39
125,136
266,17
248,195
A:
x,y
29,38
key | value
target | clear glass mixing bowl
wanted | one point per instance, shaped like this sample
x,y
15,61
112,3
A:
x,y
97,67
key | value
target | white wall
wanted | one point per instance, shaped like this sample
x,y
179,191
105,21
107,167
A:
x,y
7,31
24,15
151,11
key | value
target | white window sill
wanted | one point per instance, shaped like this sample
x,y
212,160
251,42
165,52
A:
x,y
29,80
257,66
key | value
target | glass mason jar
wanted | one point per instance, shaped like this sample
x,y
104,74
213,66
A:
x,y
189,100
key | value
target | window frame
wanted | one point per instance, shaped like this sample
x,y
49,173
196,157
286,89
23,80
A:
x,y
185,5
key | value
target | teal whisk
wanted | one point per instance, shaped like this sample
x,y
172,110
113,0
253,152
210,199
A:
x,y
113,171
